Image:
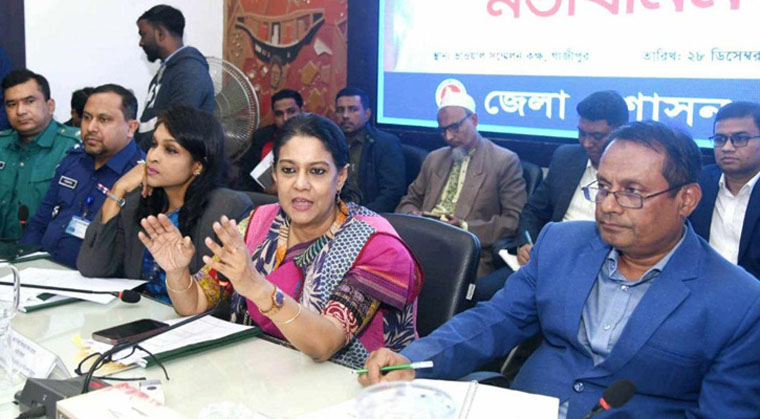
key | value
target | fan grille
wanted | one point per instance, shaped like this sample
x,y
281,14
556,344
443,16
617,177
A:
x,y
236,106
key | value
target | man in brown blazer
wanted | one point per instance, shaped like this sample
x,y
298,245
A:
x,y
472,184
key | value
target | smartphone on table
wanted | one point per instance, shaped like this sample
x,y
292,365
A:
x,y
129,332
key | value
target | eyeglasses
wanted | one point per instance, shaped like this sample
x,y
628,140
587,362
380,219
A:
x,y
452,127
630,200
738,140
596,136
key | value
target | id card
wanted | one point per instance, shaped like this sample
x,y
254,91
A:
x,y
77,227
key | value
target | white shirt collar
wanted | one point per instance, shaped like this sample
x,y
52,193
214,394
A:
x,y
746,188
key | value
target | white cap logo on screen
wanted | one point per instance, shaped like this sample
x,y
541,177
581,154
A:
x,y
448,86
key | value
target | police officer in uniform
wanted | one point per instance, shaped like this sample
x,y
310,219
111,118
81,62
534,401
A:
x,y
29,151
85,176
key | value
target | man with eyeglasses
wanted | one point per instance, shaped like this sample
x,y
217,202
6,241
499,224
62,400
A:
x,y
729,213
472,184
636,295
559,196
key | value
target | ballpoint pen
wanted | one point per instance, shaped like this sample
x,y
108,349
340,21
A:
x,y
527,237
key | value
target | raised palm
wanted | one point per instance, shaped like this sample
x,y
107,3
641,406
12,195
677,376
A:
x,y
164,241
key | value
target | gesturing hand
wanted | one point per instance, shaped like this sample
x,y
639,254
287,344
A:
x,y
232,258
164,241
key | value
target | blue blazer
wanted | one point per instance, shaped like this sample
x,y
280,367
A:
x,y
692,346
701,218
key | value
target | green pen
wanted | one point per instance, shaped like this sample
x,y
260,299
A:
x,y
412,366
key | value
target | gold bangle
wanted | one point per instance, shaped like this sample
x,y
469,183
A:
x,y
182,290
292,319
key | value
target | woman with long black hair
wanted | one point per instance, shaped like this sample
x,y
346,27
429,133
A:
x,y
181,180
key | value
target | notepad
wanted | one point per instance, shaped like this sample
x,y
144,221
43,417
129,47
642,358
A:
x,y
205,333
510,260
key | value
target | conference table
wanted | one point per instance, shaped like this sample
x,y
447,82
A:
x,y
266,377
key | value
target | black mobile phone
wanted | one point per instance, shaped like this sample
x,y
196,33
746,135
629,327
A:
x,y
430,215
129,332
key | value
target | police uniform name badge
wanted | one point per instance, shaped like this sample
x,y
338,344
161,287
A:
x,y
77,227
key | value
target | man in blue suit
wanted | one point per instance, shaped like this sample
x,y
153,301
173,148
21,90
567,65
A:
x,y
636,295
729,212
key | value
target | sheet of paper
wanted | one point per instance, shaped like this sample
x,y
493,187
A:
x,y
487,400
262,173
66,279
490,399
205,329
509,259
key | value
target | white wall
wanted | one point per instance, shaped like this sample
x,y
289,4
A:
x,y
78,43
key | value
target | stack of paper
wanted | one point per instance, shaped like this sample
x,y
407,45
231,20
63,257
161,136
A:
x,y
65,279
193,337
117,402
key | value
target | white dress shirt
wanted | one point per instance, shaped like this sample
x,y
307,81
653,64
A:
x,y
728,218
581,208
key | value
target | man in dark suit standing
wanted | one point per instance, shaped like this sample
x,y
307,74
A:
x,y
729,211
559,197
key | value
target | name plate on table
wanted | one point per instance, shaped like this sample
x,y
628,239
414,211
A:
x,y
33,361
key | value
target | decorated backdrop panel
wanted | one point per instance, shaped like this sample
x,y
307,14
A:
x,y
295,44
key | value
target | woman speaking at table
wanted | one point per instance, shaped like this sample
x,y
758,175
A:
x,y
181,180
331,277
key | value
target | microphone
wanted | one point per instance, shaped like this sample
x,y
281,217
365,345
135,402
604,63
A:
x,y
23,216
128,296
614,396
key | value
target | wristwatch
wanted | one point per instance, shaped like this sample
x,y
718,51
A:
x,y
278,299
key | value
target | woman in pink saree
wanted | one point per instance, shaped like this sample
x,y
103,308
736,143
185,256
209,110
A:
x,y
330,276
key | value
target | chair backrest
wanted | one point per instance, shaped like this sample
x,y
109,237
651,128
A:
x,y
533,176
413,158
448,257
259,198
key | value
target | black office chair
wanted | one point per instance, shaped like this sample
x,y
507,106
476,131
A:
x,y
413,158
533,176
259,198
449,258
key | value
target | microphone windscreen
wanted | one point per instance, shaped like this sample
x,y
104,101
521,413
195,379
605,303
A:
x,y
129,296
619,393
23,213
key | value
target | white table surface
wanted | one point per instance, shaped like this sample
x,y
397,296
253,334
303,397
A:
x,y
266,377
